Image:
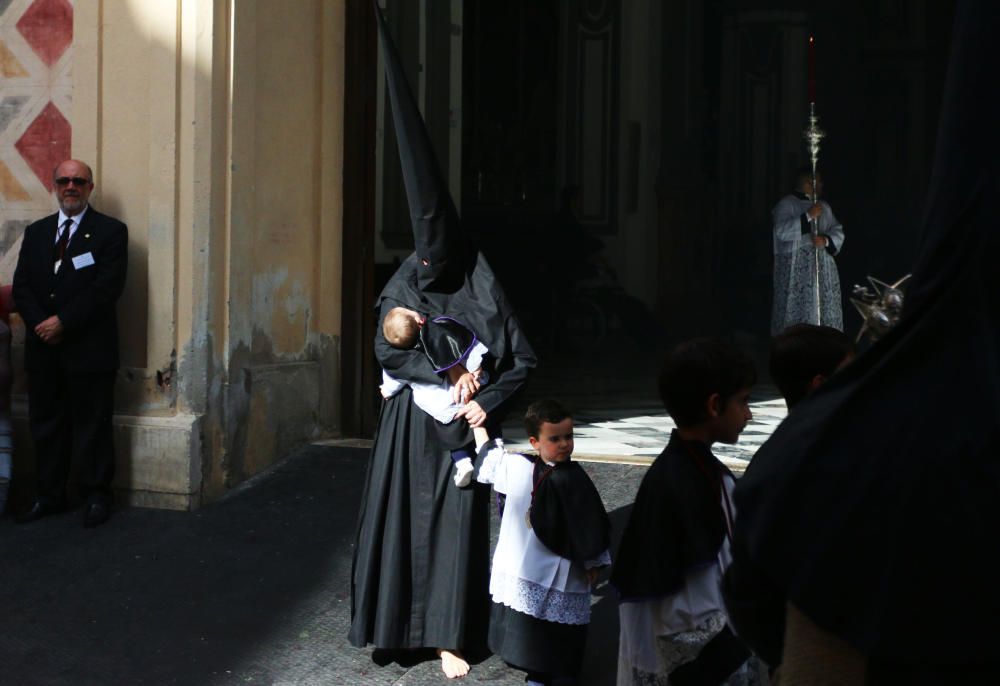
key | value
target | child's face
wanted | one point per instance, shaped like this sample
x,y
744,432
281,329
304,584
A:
x,y
733,417
555,441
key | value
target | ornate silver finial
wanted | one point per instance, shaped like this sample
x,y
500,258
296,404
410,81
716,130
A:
x,y
880,310
813,135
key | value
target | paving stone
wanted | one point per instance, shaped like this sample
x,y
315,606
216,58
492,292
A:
x,y
252,589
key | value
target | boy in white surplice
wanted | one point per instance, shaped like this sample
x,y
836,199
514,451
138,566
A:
x,y
674,630
554,536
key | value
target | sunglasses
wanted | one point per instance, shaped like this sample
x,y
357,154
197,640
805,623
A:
x,y
75,180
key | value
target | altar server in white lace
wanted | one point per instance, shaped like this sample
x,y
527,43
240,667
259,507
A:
x,y
554,537
674,629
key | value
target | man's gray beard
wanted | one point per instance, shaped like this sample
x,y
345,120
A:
x,y
75,209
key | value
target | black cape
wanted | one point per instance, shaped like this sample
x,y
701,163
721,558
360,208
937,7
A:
x,y
873,506
567,514
676,525
446,342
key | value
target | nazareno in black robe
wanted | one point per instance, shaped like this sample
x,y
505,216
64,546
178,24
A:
x,y
420,574
873,506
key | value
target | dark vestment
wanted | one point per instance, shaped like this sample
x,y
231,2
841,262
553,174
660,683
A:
x,y
676,524
567,513
446,342
71,383
421,564
870,506
677,527
536,646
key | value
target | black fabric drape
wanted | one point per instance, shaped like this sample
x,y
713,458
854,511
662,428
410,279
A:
x,y
421,565
871,507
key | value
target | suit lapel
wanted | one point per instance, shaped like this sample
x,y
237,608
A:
x,y
49,232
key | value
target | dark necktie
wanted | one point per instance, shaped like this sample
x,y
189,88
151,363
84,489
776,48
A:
x,y
63,241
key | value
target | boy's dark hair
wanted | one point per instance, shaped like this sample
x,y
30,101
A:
x,y
694,370
803,351
541,411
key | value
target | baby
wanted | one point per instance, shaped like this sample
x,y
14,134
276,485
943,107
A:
x,y
450,347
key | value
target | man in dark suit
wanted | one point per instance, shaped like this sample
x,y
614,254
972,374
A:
x,y
69,275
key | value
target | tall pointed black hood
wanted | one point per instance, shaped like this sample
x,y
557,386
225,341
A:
x,y
437,236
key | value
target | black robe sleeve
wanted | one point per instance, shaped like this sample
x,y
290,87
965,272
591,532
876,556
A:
x,y
511,371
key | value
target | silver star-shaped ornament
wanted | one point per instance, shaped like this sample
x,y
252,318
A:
x,y
880,310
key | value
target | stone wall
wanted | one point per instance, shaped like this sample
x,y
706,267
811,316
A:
x,y
215,132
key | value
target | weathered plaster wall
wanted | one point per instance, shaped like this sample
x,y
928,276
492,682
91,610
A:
x,y
283,307
215,132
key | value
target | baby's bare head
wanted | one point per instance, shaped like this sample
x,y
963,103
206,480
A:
x,y
401,327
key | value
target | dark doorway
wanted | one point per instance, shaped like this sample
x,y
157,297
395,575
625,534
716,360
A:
x,y
357,370
618,161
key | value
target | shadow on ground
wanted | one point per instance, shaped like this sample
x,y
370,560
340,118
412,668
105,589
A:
x,y
253,589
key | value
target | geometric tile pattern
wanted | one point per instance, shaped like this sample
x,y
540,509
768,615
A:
x,y
640,436
45,143
36,58
47,26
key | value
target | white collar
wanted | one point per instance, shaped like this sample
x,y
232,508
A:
x,y
77,218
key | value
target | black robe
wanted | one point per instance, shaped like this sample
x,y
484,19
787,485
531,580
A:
x,y
872,508
420,575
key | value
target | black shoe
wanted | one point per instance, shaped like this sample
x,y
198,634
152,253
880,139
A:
x,y
41,508
95,513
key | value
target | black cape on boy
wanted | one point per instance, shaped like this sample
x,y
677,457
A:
x,y
420,575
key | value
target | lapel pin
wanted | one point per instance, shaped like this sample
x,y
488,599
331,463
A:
x,y
86,235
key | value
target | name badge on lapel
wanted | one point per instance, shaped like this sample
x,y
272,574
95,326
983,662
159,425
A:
x,y
84,260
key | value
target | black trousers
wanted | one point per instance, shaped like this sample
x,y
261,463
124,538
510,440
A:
x,y
70,418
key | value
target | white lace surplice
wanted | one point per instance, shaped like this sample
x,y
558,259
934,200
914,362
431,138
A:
x,y
795,268
528,577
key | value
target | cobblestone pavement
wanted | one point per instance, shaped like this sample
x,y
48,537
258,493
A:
x,y
252,589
